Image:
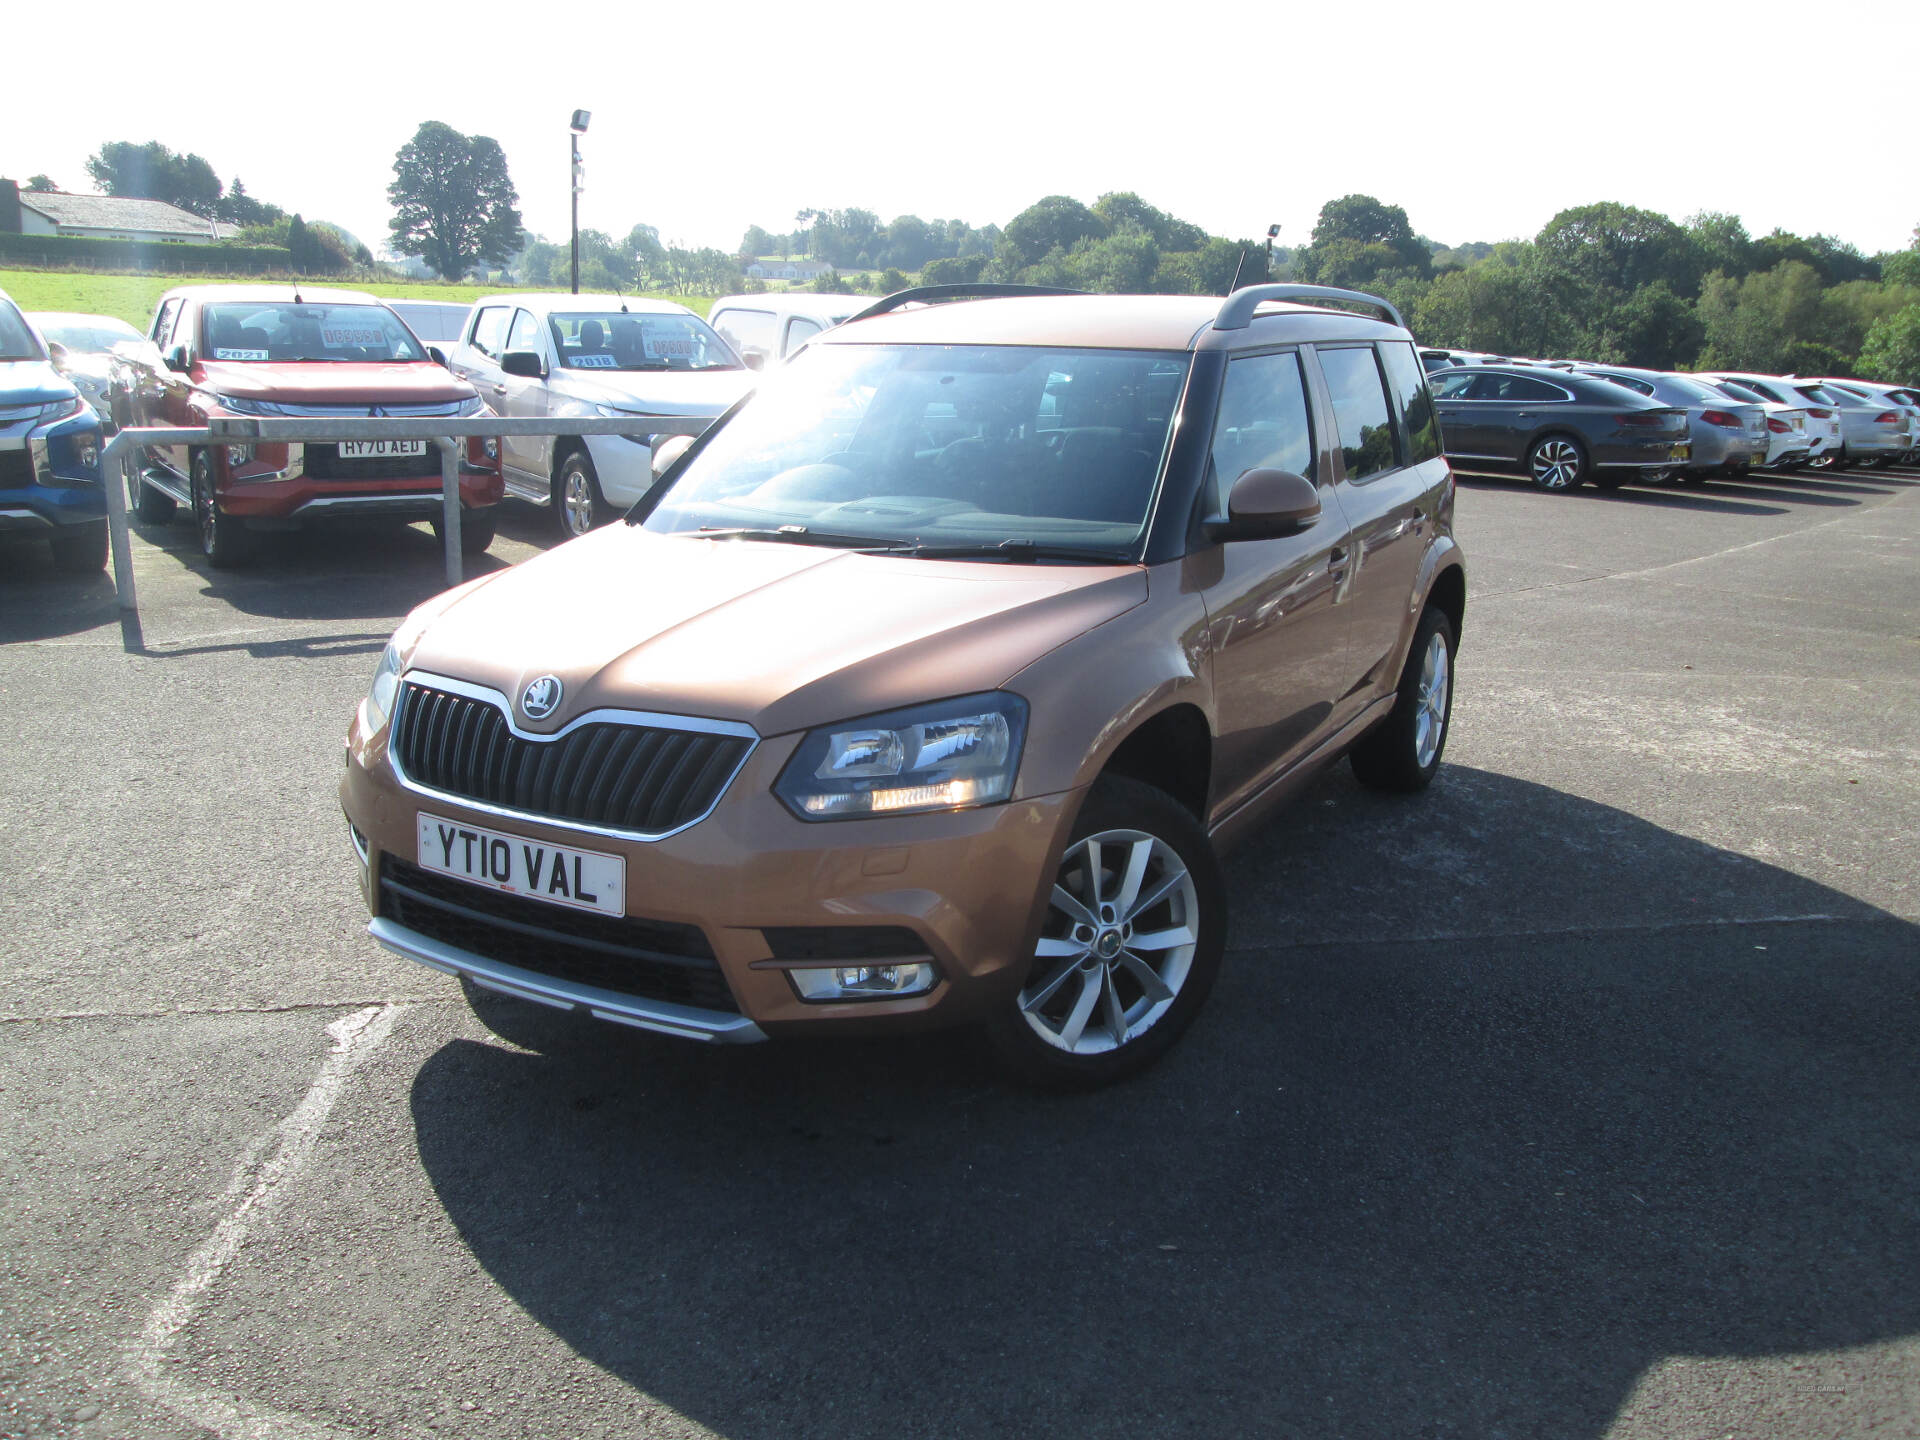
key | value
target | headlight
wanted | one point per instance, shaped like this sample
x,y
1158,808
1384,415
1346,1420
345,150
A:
x,y
60,410
386,685
239,405
470,407
951,755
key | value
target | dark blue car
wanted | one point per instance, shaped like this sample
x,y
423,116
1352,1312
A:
x,y
50,443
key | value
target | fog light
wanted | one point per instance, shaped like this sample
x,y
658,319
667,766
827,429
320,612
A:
x,y
864,982
86,450
239,454
492,447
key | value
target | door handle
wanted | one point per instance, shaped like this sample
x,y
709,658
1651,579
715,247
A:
x,y
1523,414
1336,556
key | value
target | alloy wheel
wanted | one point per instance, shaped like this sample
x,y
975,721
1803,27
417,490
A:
x,y
1430,718
1556,464
203,513
1118,943
577,495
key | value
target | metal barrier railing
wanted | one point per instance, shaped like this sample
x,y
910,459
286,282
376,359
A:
x,y
444,434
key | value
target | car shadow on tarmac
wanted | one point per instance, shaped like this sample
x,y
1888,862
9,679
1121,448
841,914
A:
x,y
1433,1185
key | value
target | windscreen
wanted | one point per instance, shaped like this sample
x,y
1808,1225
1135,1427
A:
x,y
616,340
17,342
90,339
282,330
941,445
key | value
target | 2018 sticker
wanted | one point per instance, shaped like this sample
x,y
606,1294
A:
x,y
593,360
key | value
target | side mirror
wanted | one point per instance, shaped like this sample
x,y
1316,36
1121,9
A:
x,y
438,356
525,364
56,352
755,359
666,451
1265,504
177,359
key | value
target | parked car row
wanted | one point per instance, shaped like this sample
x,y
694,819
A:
x,y
1533,416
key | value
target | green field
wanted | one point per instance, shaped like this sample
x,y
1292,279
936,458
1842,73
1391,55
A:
x,y
133,297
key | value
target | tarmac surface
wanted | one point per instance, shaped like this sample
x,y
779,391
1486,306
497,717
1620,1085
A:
x,y
1579,1097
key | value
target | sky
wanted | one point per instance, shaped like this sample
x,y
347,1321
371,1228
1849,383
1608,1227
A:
x,y
1482,120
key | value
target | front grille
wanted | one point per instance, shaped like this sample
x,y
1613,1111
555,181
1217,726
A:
x,y
651,959
16,469
635,778
324,463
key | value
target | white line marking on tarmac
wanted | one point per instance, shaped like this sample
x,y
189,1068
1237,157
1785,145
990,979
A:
x,y
355,1037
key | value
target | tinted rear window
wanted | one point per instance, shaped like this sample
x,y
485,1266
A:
x,y
1409,387
1360,410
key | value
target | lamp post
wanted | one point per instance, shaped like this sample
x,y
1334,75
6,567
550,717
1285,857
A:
x,y
579,128
1273,233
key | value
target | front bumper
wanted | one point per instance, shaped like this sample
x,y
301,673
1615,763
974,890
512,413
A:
x,y
623,466
271,488
46,481
969,885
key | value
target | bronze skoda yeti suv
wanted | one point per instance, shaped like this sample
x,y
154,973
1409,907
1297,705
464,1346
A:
x,y
927,685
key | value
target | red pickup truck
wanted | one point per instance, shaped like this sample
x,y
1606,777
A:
x,y
285,350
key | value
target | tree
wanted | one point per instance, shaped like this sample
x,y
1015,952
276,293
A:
x,y
1122,263
953,270
453,202
299,251
1123,207
1357,237
1721,243
1058,222
237,207
1755,323
41,182
1902,268
1618,247
153,172
1892,351
755,243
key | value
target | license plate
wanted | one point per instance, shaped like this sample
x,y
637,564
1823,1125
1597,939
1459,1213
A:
x,y
1679,452
380,449
515,865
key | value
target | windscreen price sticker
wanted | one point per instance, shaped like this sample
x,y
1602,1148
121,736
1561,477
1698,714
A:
x,y
340,335
665,348
593,360
227,354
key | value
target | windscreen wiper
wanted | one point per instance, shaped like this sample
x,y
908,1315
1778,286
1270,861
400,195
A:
x,y
1023,551
796,535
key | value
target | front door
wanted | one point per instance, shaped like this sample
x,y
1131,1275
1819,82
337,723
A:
x,y
520,397
1277,629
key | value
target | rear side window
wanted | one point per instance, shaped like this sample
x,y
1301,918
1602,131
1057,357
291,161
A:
x,y
1360,410
1409,386
1262,423
163,323
1820,396
525,334
799,331
1639,385
490,330
1514,388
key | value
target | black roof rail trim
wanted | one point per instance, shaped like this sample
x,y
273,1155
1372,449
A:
x,y
1236,313
927,294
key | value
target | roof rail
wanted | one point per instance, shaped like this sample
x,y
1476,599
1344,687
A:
x,y
1236,312
927,294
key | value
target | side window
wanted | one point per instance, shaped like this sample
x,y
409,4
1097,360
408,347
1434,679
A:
x,y
1453,386
163,323
525,334
1359,410
1409,386
748,329
1262,423
490,331
799,331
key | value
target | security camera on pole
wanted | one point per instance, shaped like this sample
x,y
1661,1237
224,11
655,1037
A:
x,y
579,128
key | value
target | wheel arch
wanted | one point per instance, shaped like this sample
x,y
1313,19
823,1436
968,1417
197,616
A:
x,y
1171,750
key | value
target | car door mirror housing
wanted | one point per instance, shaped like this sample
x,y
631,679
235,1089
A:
x,y
438,356
754,359
1264,504
177,359
666,451
525,364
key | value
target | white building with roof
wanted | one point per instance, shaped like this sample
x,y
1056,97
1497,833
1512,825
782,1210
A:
x,y
115,217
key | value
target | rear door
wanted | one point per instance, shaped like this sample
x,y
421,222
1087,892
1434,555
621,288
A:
x,y
1277,631
1387,453
1461,429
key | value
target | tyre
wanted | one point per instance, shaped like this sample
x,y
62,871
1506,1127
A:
x,y
526,1023
1557,462
1403,752
476,532
149,506
1129,949
578,505
223,539
82,551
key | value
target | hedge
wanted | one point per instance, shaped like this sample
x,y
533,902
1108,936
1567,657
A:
x,y
171,256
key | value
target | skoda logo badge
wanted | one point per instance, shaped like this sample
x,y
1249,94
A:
x,y
541,698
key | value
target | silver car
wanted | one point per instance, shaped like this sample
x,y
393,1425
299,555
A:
x,y
89,351
1872,431
597,357
1787,442
766,328
1826,441
1886,397
1727,436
